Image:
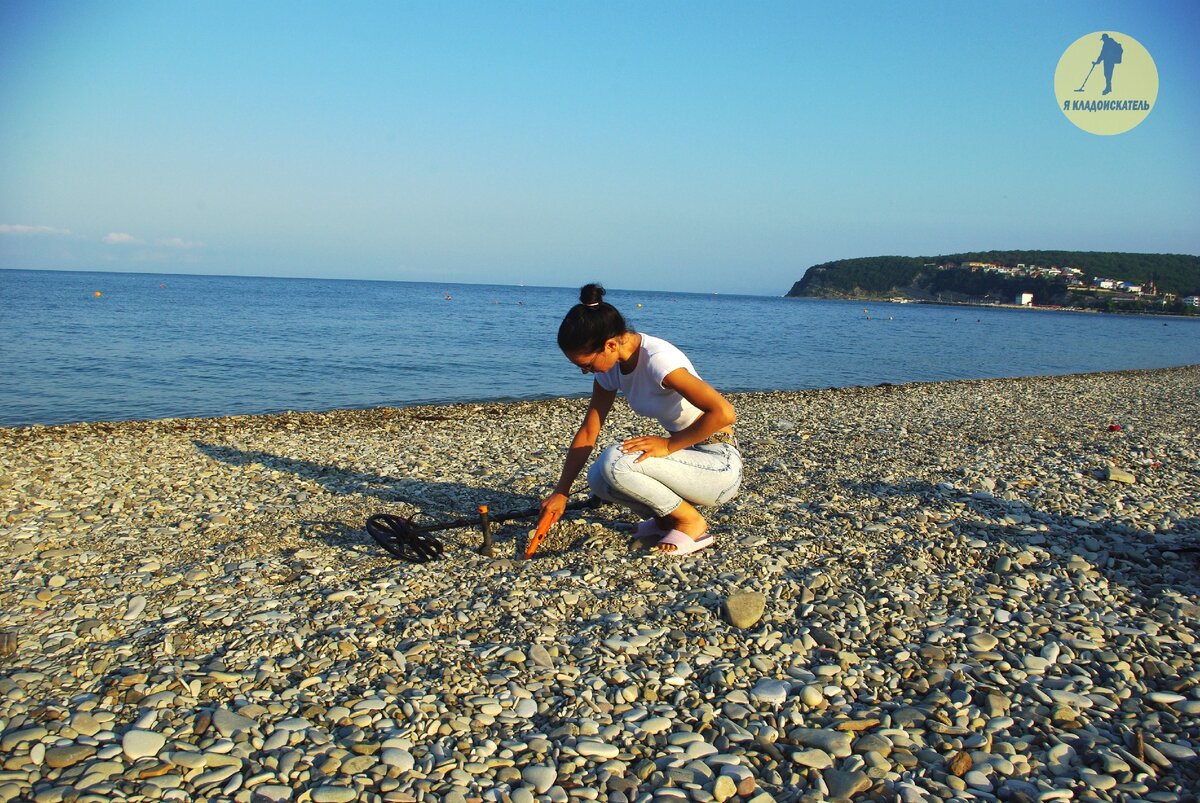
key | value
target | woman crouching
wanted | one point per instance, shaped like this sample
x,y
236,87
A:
x,y
664,478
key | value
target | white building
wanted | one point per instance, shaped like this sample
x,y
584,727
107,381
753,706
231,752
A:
x,y
1192,300
1025,299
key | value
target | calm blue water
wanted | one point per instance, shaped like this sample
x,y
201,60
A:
x,y
157,346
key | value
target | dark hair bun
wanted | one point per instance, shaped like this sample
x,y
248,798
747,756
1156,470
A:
x,y
591,294
590,323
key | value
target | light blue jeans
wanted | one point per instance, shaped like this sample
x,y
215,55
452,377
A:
x,y
706,476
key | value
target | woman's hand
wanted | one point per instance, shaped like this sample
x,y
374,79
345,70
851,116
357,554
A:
x,y
553,507
648,445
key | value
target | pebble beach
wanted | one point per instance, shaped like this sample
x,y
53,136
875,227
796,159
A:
x,y
977,590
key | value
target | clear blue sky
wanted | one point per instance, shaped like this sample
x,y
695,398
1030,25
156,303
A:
x,y
666,145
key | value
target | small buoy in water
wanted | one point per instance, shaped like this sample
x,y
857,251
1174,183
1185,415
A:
x,y
98,294
639,306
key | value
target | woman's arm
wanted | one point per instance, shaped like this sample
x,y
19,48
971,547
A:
x,y
716,414
577,455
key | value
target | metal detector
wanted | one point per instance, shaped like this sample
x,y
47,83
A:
x,y
1086,77
403,538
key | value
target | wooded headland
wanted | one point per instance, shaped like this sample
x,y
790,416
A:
x,y
1107,281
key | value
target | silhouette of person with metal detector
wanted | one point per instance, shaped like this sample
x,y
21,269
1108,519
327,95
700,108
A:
x,y
1110,53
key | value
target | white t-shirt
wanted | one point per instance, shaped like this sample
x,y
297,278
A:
x,y
643,386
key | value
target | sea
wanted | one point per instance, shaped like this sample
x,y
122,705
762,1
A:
x,y
92,346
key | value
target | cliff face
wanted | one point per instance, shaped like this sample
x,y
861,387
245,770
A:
x,y
870,277
814,285
820,285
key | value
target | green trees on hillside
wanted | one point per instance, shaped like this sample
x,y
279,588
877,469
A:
x,y
868,275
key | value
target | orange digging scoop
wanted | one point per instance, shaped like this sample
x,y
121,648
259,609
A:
x,y
539,535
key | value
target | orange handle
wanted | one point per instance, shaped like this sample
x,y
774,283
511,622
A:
x,y
539,535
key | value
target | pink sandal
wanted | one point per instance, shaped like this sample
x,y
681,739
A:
x,y
684,544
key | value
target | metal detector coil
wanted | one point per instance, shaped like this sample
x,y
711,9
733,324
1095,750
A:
x,y
403,539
